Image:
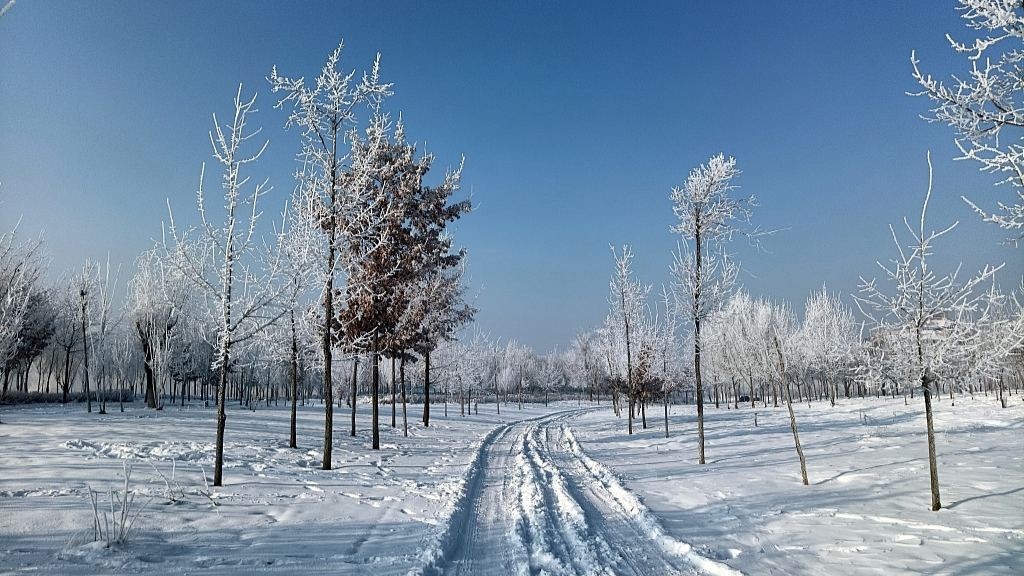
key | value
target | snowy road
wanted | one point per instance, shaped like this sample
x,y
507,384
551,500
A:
x,y
536,504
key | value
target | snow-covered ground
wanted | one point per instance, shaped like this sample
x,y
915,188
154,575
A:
x,y
867,508
555,490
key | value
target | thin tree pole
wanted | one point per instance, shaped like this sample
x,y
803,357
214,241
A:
x,y
405,418
292,443
355,375
789,404
426,388
374,390
85,352
933,468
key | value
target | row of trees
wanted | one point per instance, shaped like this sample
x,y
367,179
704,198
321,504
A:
x,y
921,329
360,265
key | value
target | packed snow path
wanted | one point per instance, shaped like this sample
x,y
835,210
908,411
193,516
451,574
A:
x,y
536,504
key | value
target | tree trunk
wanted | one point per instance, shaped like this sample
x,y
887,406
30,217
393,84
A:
x,y
933,467
426,389
326,343
147,367
394,394
292,443
700,391
792,416
355,391
665,398
85,355
375,392
405,417
222,417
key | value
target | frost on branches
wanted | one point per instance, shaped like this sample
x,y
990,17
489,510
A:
x,y
703,273
222,261
985,107
927,324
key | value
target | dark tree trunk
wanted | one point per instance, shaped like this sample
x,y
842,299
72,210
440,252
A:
x,y
222,388
426,389
700,391
292,441
326,344
85,355
355,383
933,467
375,392
405,417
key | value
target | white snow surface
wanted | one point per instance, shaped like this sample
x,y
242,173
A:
x,y
557,490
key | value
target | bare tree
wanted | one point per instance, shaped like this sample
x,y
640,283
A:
x,y
924,317
24,312
20,272
789,405
628,300
702,270
96,289
295,242
443,310
158,300
221,260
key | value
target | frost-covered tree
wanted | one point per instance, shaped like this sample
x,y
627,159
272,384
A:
x,y
785,339
703,272
829,334
20,273
34,336
221,259
993,341
667,346
295,241
402,253
27,309
923,317
158,300
584,362
329,185
985,106
99,321
66,334
443,310
628,300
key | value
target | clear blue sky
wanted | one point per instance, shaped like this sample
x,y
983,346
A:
x,y
575,119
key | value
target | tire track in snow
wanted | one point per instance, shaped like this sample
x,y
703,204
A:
x,y
458,538
561,540
606,486
533,503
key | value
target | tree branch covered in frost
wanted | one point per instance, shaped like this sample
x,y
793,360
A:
x,y
985,108
222,259
927,323
332,192
627,321
21,270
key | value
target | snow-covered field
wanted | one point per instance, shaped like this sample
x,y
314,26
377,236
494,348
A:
x,y
558,490
867,508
